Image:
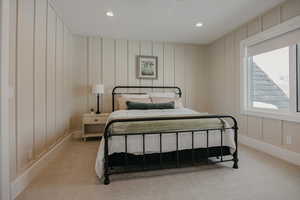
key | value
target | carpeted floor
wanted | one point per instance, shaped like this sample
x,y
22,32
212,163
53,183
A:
x,y
72,176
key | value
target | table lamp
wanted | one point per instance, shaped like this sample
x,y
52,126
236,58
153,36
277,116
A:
x,y
97,90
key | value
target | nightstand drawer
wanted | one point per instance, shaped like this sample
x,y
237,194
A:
x,y
94,120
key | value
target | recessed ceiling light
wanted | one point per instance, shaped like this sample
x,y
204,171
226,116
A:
x,y
199,24
109,14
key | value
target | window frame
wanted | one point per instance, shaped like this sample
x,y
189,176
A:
x,y
292,114
298,79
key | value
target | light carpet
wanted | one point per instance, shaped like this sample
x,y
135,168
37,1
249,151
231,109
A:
x,y
260,177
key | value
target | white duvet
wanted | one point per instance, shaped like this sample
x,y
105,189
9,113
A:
x,y
117,143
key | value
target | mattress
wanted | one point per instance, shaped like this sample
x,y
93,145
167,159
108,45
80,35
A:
x,y
152,143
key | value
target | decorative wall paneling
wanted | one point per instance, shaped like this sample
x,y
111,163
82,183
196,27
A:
x,y
39,80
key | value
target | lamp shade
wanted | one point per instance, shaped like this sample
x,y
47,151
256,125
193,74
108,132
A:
x,y
98,89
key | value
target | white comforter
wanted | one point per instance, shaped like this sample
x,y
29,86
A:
x,y
117,144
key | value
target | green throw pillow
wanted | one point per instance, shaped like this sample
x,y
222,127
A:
x,y
146,106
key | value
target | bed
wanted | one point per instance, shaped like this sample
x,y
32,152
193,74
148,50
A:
x,y
142,140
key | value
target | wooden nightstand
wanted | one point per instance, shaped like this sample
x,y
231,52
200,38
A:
x,y
93,125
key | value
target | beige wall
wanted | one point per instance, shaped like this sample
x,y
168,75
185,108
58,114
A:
x,y
113,62
40,81
224,79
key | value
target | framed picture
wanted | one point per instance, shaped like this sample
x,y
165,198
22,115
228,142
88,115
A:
x,y
147,67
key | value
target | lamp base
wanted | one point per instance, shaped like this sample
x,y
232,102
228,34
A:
x,y
98,111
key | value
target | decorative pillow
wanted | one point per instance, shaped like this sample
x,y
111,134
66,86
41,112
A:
x,y
121,100
177,100
136,96
162,94
146,106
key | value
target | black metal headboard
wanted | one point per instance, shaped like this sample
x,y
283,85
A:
x,y
114,93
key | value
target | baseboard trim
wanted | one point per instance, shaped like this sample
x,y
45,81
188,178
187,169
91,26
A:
x,y
275,151
23,180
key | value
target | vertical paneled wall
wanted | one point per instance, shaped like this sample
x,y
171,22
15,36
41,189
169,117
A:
x,y
40,81
108,72
50,75
113,62
224,79
25,81
80,78
40,54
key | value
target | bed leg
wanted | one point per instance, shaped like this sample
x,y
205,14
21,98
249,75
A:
x,y
235,165
106,159
235,160
235,155
106,179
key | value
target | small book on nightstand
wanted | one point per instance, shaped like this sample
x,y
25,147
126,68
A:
x,y
93,125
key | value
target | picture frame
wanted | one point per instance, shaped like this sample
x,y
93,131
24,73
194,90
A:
x,y
147,67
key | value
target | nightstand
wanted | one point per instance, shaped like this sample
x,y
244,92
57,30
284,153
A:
x,y
93,125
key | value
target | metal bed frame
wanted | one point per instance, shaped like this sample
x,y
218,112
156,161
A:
x,y
126,167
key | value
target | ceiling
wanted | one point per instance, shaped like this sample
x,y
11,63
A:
x,y
160,20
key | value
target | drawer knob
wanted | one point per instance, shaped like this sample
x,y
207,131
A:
x,y
95,120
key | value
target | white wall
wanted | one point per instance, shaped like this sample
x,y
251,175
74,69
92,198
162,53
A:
x,y
224,79
40,81
113,62
4,93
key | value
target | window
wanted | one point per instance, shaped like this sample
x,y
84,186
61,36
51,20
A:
x,y
269,80
270,73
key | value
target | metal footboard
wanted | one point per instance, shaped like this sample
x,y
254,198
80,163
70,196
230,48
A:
x,y
177,162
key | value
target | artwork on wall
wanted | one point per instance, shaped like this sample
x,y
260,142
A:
x,y
147,67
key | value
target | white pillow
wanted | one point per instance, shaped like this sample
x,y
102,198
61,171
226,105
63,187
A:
x,y
122,99
136,96
162,94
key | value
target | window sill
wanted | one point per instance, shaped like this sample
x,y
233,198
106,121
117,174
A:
x,y
292,117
